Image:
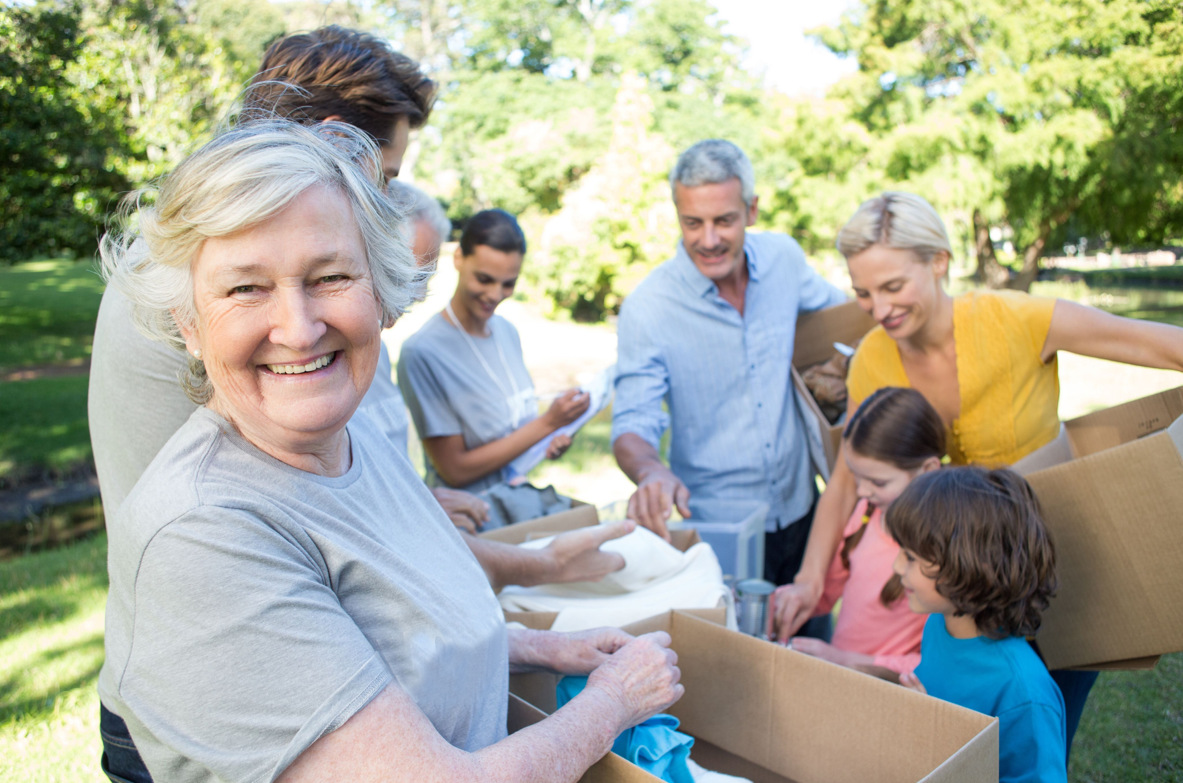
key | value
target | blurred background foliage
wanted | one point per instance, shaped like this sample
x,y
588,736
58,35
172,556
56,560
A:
x,y
1038,121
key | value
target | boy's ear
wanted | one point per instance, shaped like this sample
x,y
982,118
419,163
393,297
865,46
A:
x,y
930,464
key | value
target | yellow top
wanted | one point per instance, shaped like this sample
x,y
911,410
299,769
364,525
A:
x,y
1009,397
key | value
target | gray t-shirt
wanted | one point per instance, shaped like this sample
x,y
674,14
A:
x,y
254,607
135,401
450,391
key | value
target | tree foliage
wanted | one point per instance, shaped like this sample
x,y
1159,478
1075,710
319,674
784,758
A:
x,y
1031,113
56,149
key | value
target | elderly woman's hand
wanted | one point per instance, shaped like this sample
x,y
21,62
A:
x,y
642,678
576,653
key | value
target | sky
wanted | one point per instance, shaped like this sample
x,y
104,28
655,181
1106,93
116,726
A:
x,y
775,30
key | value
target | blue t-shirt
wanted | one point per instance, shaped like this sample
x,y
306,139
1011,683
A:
x,y
1006,679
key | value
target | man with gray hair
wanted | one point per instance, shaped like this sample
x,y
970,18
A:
x,y
429,224
710,334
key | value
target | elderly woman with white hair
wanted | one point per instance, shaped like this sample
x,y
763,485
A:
x,y
287,601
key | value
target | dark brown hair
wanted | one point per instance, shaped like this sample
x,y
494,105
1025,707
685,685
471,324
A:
x,y
897,426
493,228
983,531
335,71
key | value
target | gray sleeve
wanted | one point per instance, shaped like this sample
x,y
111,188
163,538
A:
x,y
426,393
242,655
134,401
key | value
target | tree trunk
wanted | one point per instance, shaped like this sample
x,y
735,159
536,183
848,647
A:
x,y
1031,255
989,271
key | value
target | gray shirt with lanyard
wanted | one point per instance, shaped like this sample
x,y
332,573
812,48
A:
x,y
458,384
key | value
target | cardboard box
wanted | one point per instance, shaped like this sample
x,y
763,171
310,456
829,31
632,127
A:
x,y
816,334
771,714
1111,488
610,769
579,516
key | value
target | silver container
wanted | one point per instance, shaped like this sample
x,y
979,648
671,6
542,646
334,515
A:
x,y
751,606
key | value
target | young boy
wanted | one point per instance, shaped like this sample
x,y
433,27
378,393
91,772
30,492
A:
x,y
976,555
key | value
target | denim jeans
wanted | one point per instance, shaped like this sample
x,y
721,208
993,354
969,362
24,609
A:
x,y
121,761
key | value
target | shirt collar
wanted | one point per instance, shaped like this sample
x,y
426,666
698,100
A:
x,y
703,285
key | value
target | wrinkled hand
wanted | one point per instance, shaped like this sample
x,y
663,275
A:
x,y
577,556
569,406
582,652
910,681
653,501
558,446
466,510
792,606
642,678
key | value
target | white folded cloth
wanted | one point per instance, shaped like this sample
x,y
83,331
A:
x,y
656,578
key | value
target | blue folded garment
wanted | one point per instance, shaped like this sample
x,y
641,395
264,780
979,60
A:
x,y
655,745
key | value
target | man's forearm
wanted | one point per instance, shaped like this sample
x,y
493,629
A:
x,y
636,456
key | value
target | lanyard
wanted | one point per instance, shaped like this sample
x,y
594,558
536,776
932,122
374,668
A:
x,y
507,393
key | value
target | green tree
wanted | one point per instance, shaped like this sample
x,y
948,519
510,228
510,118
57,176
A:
x,y
174,70
617,223
56,148
1042,105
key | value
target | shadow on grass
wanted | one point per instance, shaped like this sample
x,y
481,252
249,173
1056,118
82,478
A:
x,y
47,311
56,606
45,426
42,704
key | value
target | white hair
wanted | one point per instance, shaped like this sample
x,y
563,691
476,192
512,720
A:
x,y
239,179
419,207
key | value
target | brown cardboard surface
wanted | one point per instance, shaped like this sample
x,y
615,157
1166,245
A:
x,y
579,516
582,515
610,769
772,714
814,343
801,717
1114,512
818,331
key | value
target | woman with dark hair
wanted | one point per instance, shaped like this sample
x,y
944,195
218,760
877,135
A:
x,y
463,376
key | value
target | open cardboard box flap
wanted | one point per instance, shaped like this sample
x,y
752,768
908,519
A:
x,y
1111,488
814,343
610,769
774,715
573,519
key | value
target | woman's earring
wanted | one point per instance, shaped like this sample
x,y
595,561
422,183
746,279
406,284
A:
x,y
197,354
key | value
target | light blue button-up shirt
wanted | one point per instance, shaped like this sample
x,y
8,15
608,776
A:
x,y
736,432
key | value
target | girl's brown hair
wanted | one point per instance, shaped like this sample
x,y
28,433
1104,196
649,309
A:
x,y
983,531
897,426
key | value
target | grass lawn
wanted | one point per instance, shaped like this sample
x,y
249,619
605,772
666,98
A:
x,y
44,425
51,648
47,312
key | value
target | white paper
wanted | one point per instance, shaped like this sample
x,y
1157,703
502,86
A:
x,y
600,391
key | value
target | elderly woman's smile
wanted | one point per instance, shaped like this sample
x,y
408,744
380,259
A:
x,y
288,325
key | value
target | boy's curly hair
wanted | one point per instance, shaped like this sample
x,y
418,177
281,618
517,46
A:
x,y
984,532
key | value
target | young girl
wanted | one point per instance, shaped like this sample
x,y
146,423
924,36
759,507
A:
x,y
974,552
892,438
